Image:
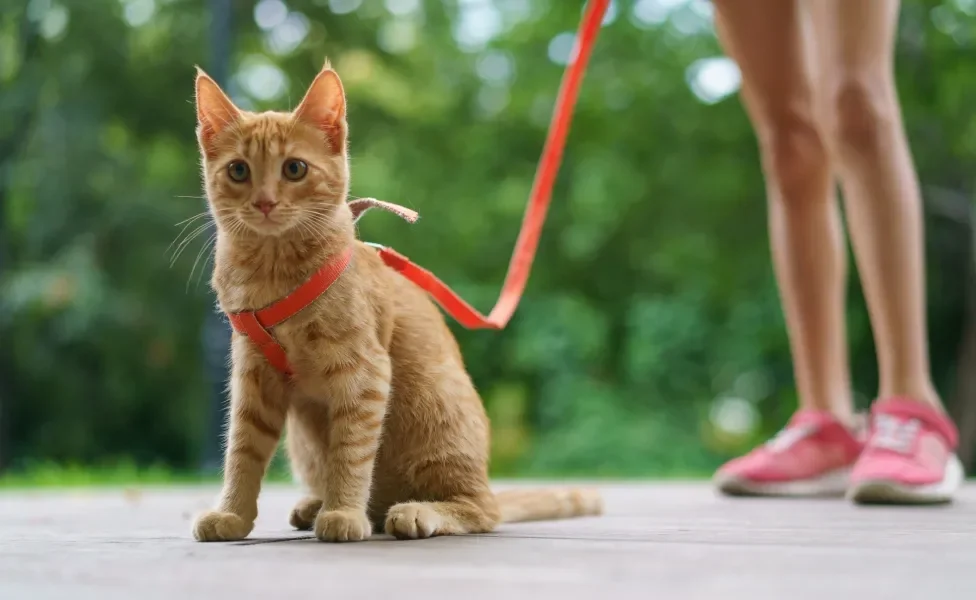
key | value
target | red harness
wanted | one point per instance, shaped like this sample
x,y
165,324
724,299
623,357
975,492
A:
x,y
256,324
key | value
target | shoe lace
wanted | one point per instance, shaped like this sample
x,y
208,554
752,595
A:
x,y
789,435
892,433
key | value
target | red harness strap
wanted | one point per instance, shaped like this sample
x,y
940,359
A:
x,y
256,324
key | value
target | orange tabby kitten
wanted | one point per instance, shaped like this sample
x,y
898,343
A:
x,y
385,427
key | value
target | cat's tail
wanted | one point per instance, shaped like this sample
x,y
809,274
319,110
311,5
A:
x,y
547,504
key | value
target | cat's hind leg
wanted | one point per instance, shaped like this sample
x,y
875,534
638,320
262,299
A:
x,y
303,515
418,520
306,466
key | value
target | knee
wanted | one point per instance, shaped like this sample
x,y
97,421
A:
x,y
863,112
794,153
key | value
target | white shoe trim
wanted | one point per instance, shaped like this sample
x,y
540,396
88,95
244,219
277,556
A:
x,y
831,483
890,492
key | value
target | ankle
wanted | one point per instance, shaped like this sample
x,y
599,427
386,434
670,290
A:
x,y
922,393
847,417
842,412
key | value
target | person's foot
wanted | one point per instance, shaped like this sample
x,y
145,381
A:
x,y
812,456
909,457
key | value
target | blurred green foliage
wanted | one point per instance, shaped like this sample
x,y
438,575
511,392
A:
x,y
650,337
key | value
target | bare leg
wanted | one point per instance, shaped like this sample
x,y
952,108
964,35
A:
x,y
767,40
881,190
910,456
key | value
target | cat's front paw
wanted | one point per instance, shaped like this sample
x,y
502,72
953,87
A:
x,y
214,526
342,526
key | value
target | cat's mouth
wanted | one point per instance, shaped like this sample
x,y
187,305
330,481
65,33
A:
x,y
268,224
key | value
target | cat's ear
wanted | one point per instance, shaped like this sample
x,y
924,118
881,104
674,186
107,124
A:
x,y
324,106
215,111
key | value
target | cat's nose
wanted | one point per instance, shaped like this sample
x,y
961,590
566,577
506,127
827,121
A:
x,y
265,206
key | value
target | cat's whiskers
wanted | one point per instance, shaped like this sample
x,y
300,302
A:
x,y
193,218
320,212
186,224
320,226
203,247
319,236
235,228
302,227
324,211
199,215
319,230
210,256
209,259
189,238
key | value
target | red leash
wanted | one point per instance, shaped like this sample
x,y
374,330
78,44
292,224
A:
x,y
257,324
535,214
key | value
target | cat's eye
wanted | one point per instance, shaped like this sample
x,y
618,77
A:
x,y
294,169
238,171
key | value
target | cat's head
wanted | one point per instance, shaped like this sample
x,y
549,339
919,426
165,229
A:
x,y
274,173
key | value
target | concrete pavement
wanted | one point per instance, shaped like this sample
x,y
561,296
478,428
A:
x,y
658,540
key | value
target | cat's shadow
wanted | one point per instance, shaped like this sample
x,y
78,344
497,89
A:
x,y
306,538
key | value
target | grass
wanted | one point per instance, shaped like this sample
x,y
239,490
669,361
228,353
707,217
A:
x,y
58,476
51,476
54,476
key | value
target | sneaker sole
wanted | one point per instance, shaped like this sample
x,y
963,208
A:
x,y
830,484
890,492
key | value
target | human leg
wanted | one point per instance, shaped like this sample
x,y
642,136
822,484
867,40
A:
x,y
769,39
910,453
766,39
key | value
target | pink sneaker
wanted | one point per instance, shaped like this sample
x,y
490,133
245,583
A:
x,y
909,457
812,456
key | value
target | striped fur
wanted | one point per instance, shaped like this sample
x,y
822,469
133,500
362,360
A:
x,y
385,427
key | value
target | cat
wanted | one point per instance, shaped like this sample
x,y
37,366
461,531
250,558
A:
x,y
384,425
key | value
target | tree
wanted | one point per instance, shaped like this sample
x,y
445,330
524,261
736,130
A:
x,y
650,339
